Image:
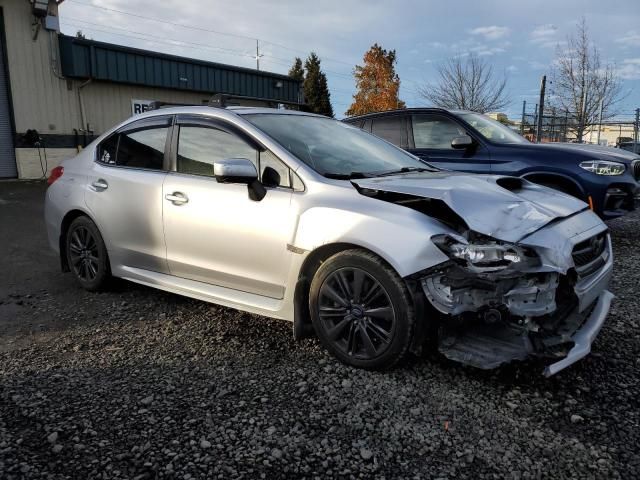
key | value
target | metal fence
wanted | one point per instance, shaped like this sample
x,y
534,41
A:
x,y
623,131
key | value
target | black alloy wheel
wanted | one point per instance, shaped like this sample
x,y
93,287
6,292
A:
x,y
357,313
361,310
87,254
83,254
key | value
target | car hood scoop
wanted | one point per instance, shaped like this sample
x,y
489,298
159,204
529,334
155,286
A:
x,y
506,208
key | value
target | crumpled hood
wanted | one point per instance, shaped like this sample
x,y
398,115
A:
x,y
486,207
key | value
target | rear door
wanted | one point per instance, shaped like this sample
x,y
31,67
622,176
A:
x,y
124,193
431,136
392,128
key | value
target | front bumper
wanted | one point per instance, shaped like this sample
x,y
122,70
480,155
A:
x,y
585,335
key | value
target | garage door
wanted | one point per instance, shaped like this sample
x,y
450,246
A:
x,y
7,154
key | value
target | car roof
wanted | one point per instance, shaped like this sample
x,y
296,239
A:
x,y
406,110
217,111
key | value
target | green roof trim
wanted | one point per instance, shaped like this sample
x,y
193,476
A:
x,y
88,59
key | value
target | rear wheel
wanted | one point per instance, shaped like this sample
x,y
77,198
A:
x,y
87,254
361,310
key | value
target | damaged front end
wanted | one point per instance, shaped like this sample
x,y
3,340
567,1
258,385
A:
x,y
528,266
504,302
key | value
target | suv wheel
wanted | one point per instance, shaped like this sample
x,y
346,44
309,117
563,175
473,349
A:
x,y
361,310
87,254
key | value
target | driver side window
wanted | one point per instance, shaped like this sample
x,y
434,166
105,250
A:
x,y
434,131
199,147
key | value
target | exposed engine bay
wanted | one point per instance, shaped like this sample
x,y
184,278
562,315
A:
x,y
499,305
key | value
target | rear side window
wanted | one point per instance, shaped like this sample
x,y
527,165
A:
x,y
142,148
199,147
389,128
108,150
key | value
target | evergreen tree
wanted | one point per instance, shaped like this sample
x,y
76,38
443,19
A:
x,y
377,83
316,90
297,73
297,70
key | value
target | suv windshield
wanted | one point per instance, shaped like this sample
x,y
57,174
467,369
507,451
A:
x,y
335,149
491,129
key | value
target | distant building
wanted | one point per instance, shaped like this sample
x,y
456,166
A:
x,y
58,92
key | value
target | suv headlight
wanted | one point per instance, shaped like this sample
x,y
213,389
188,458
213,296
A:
x,y
488,256
603,167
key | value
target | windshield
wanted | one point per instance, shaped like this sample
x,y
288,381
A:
x,y
492,130
333,148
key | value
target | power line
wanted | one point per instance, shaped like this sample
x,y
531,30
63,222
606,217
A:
x,y
163,39
202,29
274,59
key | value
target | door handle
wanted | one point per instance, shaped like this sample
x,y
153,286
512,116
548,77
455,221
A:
x,y
177,198
99,185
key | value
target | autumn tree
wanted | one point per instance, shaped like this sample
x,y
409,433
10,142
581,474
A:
x,y
377,83
581,84
467,83
316,89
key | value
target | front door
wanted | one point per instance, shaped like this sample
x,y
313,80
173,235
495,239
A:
x,y
214,232
432,136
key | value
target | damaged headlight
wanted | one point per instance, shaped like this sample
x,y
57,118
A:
x,y
603,167
486,256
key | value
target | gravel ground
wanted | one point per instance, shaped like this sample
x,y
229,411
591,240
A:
x,y
137,383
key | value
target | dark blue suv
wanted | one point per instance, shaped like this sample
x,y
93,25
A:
x,y
605,178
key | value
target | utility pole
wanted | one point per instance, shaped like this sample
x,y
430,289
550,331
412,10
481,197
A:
x,y
524,111
258,54
600,120
543,86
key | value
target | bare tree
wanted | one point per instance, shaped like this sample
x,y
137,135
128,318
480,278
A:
x,y
581,85
467,83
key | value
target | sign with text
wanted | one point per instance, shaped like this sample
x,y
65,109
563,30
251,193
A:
x,y
140,106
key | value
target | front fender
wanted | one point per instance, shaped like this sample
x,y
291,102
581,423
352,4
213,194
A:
x,y
402,238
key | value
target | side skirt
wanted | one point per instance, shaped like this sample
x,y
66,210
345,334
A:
x,y
227,297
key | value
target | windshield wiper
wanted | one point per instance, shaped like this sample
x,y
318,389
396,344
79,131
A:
x,y
405,170
347,176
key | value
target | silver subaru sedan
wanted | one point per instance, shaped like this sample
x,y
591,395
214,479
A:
x,y
301,217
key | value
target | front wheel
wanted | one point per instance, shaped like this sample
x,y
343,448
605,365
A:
x,y
87,254
361,310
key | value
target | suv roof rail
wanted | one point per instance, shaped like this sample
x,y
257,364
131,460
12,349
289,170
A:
x,y
222,100
157,105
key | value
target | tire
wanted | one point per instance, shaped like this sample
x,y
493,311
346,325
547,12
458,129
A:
x,y
87,255
345,292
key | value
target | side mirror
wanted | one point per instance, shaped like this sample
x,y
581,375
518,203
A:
x,y
270,177
462,142
235,170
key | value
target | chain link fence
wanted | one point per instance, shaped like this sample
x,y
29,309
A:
x,y
560,126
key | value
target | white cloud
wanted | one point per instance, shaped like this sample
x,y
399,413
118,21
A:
x,y
630,69
536,65
631,39
492,32
544,35
512,68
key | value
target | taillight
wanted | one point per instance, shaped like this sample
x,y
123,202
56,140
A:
x,y
56,173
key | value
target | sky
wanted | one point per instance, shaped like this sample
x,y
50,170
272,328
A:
x,y
518,39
